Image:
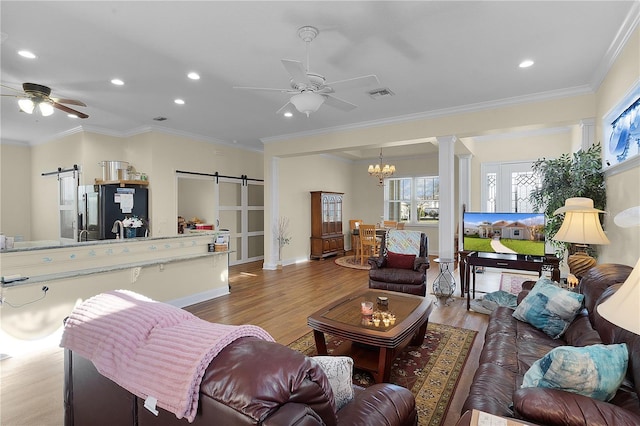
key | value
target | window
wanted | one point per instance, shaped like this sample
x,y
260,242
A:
x,y
415,199
506,187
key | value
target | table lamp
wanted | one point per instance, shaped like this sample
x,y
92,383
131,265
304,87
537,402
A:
x,y
623,307
581,226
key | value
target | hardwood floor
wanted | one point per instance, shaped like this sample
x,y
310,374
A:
x,y
278,301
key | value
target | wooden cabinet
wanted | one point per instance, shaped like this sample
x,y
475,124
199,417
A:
x,y
326,224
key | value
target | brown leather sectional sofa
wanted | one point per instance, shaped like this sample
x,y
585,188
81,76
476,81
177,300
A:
x,y
251,382
512,346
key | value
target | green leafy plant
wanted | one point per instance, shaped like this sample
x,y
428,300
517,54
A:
x,y
576,175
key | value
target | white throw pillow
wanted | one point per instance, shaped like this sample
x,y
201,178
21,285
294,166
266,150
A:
x,y
339,371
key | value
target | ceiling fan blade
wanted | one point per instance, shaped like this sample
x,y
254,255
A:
x,y
12,88
69,110
266,89
296,70
338,103
353,83
283,107
69,101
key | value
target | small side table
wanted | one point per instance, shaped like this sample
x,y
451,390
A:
x,y
445,284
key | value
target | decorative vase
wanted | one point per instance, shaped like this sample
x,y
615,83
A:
x,y
130,232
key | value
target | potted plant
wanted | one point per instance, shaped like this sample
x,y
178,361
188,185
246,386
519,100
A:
x,y
131,225
282,236
576,175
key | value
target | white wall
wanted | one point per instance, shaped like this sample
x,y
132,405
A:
x,y
159,155
15,184
623,190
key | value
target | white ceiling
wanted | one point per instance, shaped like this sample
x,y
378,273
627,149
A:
x,y
436,56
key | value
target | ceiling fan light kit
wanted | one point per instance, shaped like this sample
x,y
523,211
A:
x,y
307,102
309,90
36,95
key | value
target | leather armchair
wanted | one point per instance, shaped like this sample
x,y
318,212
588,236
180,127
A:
x,y
410,280
250,382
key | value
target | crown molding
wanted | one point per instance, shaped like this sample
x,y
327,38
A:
x,y
140,130
507,102
617,45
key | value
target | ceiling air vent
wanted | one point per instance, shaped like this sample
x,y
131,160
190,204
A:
x,y
379,93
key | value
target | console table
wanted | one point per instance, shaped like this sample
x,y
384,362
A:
x,y
470,260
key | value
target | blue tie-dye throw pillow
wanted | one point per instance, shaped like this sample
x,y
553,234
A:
x,y
549,308
595,371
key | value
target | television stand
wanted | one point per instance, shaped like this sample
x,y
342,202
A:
x,y
470,260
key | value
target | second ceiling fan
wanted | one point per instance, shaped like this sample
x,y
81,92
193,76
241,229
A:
x,y
310,90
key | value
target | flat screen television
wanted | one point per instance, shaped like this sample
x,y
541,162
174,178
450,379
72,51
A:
x,y
505,233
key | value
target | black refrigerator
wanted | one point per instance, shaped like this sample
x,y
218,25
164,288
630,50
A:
x,y
102,205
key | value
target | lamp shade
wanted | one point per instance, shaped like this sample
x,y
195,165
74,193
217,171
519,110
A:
x,y
26,105
623,307
46,109
581,227
307,102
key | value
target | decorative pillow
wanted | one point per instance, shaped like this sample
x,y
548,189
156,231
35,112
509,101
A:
x,y
400,261
339,371
595,371
549,308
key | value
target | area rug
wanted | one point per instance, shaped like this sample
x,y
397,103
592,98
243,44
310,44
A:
x,y
430,371
512,283
351,262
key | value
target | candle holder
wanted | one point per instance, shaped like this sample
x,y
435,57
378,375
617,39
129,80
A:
x,y
366,308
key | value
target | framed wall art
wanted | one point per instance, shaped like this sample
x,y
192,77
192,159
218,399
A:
x,y
621,143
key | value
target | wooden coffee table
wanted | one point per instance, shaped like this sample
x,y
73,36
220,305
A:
x,y
373,348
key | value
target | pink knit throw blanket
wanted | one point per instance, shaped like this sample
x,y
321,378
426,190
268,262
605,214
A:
x,y
150,348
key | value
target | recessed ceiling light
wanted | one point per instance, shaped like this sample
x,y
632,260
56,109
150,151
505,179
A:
x,y
117,82
27,54
194,76
288,114
72,116
526,63
179,101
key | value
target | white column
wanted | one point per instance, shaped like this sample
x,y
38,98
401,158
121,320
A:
x,y
271,212
464,192
588,130
446,229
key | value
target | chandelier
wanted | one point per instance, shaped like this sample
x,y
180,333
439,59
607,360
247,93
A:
x,y
380,171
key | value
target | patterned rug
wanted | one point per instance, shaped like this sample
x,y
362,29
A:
x,y
512,283
349,261
431,371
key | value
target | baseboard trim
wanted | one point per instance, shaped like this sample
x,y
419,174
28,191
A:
x,y
199,297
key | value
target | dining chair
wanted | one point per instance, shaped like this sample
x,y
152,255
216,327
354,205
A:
x,y
390,224
355,239
369,244
400,225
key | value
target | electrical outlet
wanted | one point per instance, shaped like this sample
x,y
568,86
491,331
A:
x,y
161,267
135,273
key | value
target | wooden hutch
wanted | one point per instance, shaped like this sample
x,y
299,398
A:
x,y
327,238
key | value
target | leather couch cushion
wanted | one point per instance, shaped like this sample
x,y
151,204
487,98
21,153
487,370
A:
x,y
394,275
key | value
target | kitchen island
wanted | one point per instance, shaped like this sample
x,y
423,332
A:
x,y
178,270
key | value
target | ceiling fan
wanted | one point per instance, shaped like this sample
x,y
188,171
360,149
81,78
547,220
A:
x,y
35,95
310,90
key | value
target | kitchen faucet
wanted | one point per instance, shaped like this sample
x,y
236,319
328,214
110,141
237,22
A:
x,y
86,234
115,229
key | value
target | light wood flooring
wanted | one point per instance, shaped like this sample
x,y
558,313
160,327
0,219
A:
x,y
278,301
